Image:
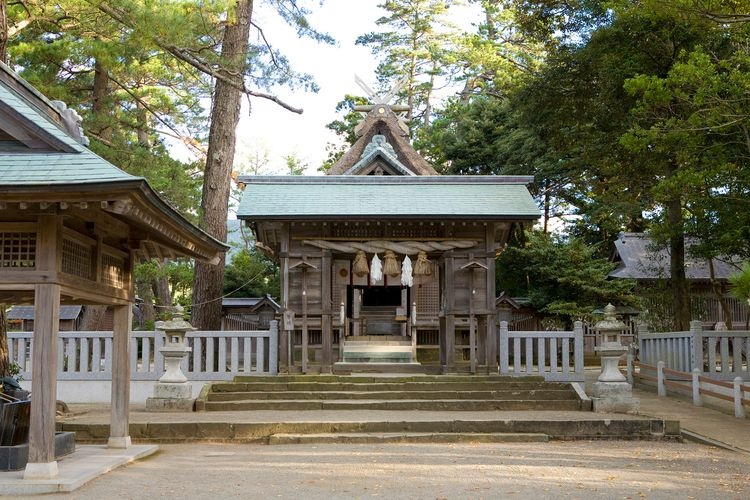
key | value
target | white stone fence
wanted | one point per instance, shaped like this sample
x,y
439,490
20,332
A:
x,y
555,355
716,354
84,359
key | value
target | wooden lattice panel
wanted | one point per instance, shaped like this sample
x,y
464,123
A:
x,y
113,270
427,291
77,259
18,249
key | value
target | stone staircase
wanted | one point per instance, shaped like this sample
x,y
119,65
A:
x,y
424,393
383,409
377,349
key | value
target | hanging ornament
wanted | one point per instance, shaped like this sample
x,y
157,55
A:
x,y
406,277
360,264
423,267
390,266
376,269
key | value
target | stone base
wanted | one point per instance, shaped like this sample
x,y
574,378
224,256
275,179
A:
x,y
167,390
120,443
36,471
169,396
169,404
614,397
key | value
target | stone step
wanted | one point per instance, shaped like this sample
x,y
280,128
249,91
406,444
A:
x,y
407,437
551,393
237,430
383,378
379,357
397,339
401,405
377,386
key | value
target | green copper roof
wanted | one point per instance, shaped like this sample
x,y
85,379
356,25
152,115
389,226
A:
x,y
294,197
23,166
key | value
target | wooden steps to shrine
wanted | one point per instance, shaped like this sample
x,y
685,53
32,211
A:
x,y
426,393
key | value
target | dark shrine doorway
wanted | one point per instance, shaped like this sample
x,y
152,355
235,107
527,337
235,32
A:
x,y
378,310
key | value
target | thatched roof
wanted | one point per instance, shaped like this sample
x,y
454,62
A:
x,y
383,121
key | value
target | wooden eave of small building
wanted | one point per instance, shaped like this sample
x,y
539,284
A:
x,y
157,229
381,120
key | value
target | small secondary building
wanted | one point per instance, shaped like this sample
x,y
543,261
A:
x,y
640,259
71,228
385,264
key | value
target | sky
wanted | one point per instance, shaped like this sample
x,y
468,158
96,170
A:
x,y
268,127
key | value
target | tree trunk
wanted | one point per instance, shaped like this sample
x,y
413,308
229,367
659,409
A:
x,y
3,32
678,281
225,114
160,287
99,97
92,317
4,354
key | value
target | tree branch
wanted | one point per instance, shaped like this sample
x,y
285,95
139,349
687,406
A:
x,y
188,141
234,80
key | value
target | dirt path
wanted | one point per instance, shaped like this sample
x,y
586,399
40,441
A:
x,y
559,469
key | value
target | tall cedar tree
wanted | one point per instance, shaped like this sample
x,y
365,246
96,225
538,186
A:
x,y
225,114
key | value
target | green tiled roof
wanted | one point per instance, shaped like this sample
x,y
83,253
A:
x,y
35,168
297,197
22,166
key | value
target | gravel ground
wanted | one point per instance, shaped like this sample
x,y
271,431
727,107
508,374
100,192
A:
x,y
600,469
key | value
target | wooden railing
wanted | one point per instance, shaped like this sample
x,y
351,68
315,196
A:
x,y
693,384
547,354
717,354
215,355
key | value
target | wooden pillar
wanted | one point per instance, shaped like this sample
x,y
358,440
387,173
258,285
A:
x,y
285,354
448,340
42,464
472,322
491,331
119,429
304,320
483,345
325,298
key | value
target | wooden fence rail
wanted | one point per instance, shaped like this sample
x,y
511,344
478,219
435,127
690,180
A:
x,y
547,354
692,384
216,355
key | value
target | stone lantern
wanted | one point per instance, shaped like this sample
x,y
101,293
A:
x,y
612,393
173,392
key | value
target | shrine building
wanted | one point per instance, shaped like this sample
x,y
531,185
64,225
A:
x,y
385,264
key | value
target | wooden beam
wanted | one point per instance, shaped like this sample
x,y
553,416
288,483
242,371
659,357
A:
x,y
119,429
42,464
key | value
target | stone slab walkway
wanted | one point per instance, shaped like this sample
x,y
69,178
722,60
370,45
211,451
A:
x,y
707,425
86,463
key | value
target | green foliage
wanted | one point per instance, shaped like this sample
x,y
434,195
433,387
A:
x,y
294,164
412,50
562,278
179,276
741,283
251,274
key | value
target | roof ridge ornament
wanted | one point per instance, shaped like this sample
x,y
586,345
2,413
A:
x,y
382,102
379,142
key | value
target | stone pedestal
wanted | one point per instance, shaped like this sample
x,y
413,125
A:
x,y
170,396
614,397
